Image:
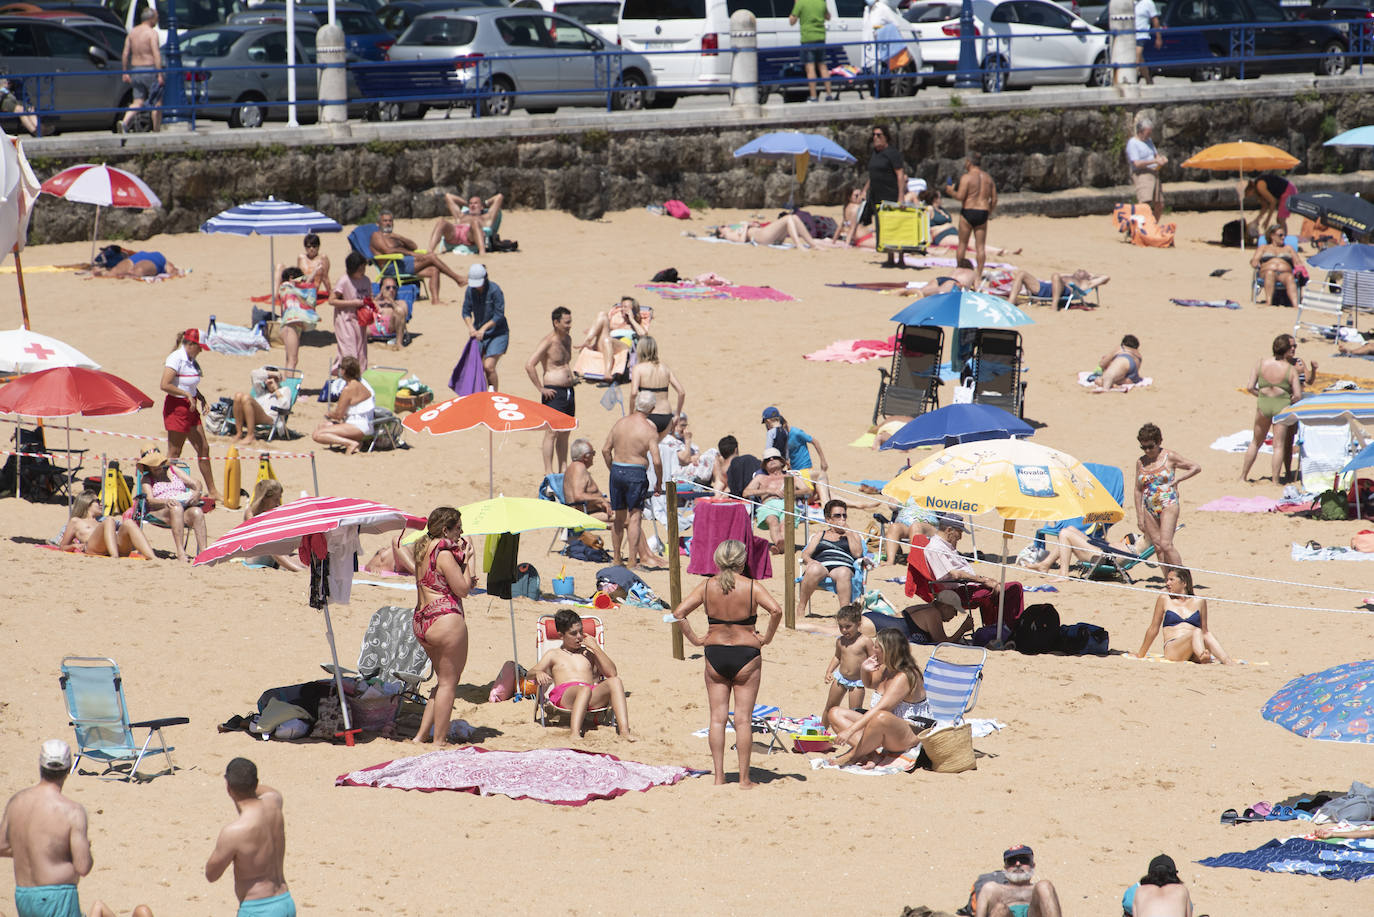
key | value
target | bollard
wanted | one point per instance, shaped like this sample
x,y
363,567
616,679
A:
x,y
744,63
333,82
1124,74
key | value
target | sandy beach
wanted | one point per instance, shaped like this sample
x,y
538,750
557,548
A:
x,y
1104,762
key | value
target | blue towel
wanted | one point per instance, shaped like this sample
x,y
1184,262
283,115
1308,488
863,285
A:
x,y
1340,860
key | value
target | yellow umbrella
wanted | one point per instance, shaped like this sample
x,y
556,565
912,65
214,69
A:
x,y
1241,156
1013,478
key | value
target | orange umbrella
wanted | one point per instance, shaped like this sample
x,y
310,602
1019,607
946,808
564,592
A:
x,y
497,412
1241,156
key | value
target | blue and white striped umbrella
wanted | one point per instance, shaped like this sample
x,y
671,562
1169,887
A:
x,y
270,218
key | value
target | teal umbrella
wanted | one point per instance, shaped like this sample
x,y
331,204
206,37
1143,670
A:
x,y
963,309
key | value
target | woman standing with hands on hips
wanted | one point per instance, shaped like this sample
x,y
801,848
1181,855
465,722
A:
x,y
181,377
733,650
1158,472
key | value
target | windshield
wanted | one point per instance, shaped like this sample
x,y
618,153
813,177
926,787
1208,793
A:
x,y
210,43
441,31
358,22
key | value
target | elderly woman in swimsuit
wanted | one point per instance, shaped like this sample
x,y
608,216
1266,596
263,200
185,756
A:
x,y
733,649
441,581
1158,472
898,708
963,277
1183,616
90,531
784,227
1275,383
1276,263
833,551
1119,366
650,375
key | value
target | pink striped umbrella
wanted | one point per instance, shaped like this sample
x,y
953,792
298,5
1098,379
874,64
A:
x,y
103,186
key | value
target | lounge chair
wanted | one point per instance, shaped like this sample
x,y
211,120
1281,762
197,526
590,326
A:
x,y
94,692
360,240
857,583
1111,563
387,430
1323,450
1137,221
390,652
546,635
405,294
290,380
911,387
952,687
997,370
1322,309
1073,295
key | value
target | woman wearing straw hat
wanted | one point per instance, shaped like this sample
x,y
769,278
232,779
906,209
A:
x,y
173,497
181,377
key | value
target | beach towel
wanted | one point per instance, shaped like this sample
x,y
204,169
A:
x,y
950,262
235,340
1333,859
561,776
692,290
468,377
880,286
1336,552
692,235
1159,657
854,351
1239,442
1240,505
1087,379
1207,303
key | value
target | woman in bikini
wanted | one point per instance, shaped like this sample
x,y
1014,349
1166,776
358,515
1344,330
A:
x,y
649,375
1276,384
1158,472
898,709
314,267
784,227
733,649
91,532
1183,616
1276,263
441,581
1120,366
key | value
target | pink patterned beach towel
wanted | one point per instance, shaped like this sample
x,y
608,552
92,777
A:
x,y
693,290
1240,505
562,776
854,351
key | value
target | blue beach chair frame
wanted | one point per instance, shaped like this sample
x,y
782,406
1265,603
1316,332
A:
x,y
952,686
94,692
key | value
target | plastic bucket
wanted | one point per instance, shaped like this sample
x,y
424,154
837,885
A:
x,y
563,585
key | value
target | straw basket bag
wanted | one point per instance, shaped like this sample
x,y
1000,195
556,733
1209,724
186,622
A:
x,y
950,748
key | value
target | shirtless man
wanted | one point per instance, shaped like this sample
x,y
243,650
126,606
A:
x,y
1054,288
45,833
629,447
579,490
550,369
767,488
977,197
313,266
255,843
624,314
143,69
1038,899
466,228
1120,365
582,675
427,267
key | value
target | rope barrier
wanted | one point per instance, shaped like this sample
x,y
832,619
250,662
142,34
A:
x,y
254,453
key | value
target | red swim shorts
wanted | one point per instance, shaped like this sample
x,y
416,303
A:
x,y
179,415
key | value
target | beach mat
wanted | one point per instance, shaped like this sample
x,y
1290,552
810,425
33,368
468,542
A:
x,y
1124,387
1307,552
561,776
1343,859
1207,303
860,351
690,290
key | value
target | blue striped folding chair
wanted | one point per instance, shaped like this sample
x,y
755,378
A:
x,y
951,685
94,692
764,719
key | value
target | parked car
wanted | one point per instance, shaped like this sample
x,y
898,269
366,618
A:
x,y
599,16
541,61
1018,43
92,8
364,35
1191,50
396,17
110,37
83,84
1342,14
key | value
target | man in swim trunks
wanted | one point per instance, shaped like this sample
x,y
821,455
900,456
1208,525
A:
x,y
1021,895
582,676
977,197
1119,366
767,487
143,68
425,265
579,490
45,833
629,447
255,843
468,226
550,369
1057,288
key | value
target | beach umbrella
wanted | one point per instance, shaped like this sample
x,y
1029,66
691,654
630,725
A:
x,y
1334,705
1329,408
280,531
1356,136
959,423
497,412
104,186
23,351
1012,477
1241,156
270,218
1347,212
963,309
1362,459
18,190
513,515
798,147
1355,257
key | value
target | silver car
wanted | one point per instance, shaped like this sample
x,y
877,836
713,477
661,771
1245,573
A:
x,y
528,59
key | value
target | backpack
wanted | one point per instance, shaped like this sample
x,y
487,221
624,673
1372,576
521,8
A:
x,y
667,275
1083,640
1333,505
526,582
677,210
1230,234
1037,630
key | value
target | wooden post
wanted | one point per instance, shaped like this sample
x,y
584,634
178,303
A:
x,y
674,569
789,552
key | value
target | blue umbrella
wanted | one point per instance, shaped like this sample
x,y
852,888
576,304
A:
x,y
1363,459
270,218
959,423
1335,705
1355,257
799,147
963,309
1359,136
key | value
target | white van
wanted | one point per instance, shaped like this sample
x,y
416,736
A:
x,y
599,16
700,31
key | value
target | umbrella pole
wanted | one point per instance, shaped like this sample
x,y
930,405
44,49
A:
x,y
491,486
272,270
69,471
1008,526
515,650
348,732
95,232
23,298
1242,212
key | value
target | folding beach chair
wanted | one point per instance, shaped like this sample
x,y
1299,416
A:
x,y
911,387
997,370
405,294
144,516
545,636
290,381
1322,309
899,228
551,489
94,692
1111,563
952,686
857,583
39,475
1073,295
387,430
1323,450
390,652
360,240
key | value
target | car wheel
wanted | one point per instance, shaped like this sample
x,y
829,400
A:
x,y
247,112
417,112
995,74
1210,73
1101,75
668,100
905,85
387,111
1332,61
630,95
502,104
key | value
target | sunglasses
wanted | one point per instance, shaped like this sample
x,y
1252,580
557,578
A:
x,y
1018,861
839,515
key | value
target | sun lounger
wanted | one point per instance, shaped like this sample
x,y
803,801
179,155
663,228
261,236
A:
x,y
952,686
545,636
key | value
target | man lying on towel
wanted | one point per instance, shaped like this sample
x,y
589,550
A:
x,y
582,676
952,571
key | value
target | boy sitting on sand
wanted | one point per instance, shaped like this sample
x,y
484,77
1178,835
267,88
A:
x,y
851,649
582,676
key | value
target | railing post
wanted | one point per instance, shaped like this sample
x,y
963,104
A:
x,y
333,80
789,552
744,63
1124,38
966,73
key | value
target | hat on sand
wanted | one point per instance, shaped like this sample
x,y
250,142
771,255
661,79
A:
x,y
55,755
1019,850
949,597
770,412
477,276
949,521
190,336
152,458
770,452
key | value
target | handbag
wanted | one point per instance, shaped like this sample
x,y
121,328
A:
x,y
367,313
963,393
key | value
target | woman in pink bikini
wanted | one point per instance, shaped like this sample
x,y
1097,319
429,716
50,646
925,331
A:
x,y
441,581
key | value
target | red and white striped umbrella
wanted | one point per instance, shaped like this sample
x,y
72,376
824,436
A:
x,y
103,186
280,531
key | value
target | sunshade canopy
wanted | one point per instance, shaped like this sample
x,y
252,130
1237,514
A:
x,y
102,185
521,514
963,309
270,218
25,351
1344,258
1241,156
1334,705
1346,212
280,531
71,390
1329,407
959,423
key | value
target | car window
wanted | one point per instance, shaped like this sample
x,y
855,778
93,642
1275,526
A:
x,y
1266,11
357,22
1191,12
567,36
17,41
931,12
762,9
214,43
1226,11
269,49
395,19
62,43
526,31
664,9
307,43
849,9
440,31
590,13
1005,12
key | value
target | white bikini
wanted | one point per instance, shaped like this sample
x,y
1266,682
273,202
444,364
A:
x,y
360,414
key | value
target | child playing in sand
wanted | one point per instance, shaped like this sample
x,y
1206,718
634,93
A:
x,y
851,649
582,676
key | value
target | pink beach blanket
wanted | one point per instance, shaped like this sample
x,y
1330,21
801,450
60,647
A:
x,y
1241,505
562,776
693,290
854,351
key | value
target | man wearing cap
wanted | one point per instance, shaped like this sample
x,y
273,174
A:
x,y
425,265
484,312
766,487
630,446
255,843
1020,895
45,833
950,569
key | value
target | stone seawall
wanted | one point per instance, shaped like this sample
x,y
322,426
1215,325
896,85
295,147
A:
x,y
590,163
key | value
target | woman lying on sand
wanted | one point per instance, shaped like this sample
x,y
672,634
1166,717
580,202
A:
x,y
896,706
91,532
138,265
785,227
1184,619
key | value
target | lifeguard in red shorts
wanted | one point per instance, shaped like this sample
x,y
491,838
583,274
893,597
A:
x,y
181,409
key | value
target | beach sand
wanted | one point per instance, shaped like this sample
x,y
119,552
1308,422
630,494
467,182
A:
x,y
1105,762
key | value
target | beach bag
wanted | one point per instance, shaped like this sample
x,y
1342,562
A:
x,y
527,583
1037,630
367,312
1083,639
667,275
219,419
1231,234
677,210
950,749
820,227
968,910
1333,505
963,393
987,634
579,551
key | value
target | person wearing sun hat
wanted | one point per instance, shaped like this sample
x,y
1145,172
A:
x,y
173,497
181,377
484,312
1020,895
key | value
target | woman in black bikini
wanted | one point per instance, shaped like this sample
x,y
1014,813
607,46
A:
x,y
1183,617
733,649
649,375
1276,263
